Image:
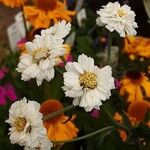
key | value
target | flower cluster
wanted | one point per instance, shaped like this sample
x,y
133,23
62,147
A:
x,y
27,126
87,84
45,12
43,53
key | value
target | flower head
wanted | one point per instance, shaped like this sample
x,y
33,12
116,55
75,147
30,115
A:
x,y
43,53
95,113
137,46
7,91
58,128
26,123
87,84
47,12
13,3
132,85
136,112
117,18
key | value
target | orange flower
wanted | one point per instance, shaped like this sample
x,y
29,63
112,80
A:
x,y
13,3
136,113
47,12
58,128
138,110
132,85
137,46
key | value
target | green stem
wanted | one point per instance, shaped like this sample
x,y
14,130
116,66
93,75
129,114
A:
x,y
115,123
57,112
24,22
58,70
109,46
85,136
92,29
63,59
123,113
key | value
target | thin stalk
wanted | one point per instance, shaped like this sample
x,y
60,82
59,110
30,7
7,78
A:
x,y
109,46
57,112
92,29
63,59
24,22
85,136
123,113
58,70
115,123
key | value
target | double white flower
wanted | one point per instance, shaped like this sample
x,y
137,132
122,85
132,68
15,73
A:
x,y
26,125
87,84
43,53
117,18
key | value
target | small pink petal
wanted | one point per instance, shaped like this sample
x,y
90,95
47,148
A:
x,y
117,83
68,59
95,113
10,91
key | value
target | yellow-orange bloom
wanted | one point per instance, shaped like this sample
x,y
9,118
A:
x,y
138,110
47,12
137,46
58,128
133,85
13,3
136,113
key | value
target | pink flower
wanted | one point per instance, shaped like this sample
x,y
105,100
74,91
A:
x,y
68,59
3,71
117,83
22,41
10,91
7,92
95,113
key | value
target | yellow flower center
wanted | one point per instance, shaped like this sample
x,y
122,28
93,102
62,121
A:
x,y
88,80
20,124
39,54
121,13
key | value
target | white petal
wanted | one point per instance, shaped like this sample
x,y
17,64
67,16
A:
x,y
30,46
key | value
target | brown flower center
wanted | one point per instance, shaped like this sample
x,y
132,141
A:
x,y
88,80
134,75
20,124
46,4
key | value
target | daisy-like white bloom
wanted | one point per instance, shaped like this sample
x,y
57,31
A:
x,y
117,18
43,53
59,30
26,123
43,144
87,84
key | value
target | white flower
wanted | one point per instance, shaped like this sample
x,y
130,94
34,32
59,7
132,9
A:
x,y
117,18
43,144
26,123
43,54
87,84
59,30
